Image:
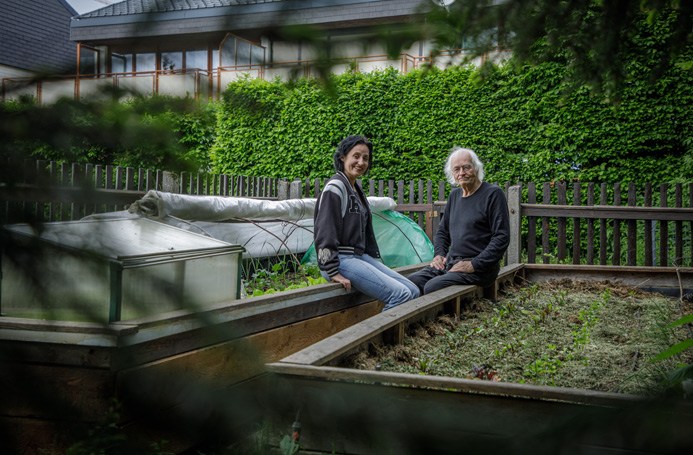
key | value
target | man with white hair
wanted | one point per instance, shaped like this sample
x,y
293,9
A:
x,y
474,231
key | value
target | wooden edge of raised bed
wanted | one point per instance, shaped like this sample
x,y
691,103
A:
x,y
509,389
8,322
669,280
350,338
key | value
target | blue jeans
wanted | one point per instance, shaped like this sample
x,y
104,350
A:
x,y
375,279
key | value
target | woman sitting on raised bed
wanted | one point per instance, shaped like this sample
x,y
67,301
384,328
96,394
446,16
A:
x,y
344,239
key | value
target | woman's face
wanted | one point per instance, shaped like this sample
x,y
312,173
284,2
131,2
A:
x,y
356,162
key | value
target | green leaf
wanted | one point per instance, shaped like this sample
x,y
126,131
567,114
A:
x,y
675,349
687,319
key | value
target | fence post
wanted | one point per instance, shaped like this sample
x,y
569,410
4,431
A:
x,y
282,190
169,183
295,189
514,212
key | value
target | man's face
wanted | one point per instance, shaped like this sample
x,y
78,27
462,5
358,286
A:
x,y
463,170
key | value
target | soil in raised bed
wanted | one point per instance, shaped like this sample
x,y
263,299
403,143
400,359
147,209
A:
x,y
588,335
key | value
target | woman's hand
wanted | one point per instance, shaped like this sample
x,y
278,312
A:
x,y
346,282
438,262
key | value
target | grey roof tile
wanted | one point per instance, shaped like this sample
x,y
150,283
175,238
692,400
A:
x,y
35,35
128,7
129,19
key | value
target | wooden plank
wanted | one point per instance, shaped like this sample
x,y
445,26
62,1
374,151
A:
x,y
602,226
130,179
663,228
210,185
151,180
200,184
678,229
414,207
515,246
184,182
577,238
89,183
531,225
65,214
227,190
590,225
120,178
421,199
41,325
318,188
668,280
159,185
236,360
141,179
561,222
616,257
632,240
99,184
690,225
429,214
647,234
76,180
506,389
603,212
546,200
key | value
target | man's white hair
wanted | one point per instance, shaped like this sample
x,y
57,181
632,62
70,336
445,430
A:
x,y
476,162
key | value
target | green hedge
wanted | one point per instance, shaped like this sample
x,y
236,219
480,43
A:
x,y
527,124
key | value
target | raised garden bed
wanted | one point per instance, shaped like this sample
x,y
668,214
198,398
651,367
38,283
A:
x,y
169,370
592,335
351,410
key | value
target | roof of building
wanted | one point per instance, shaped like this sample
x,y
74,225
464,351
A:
x,y
148,18
35,35
129,7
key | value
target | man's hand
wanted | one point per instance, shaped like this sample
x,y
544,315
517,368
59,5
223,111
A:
x,y
346,282
462,266
438,262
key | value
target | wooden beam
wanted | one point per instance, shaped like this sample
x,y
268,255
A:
x,y
515,247
609,212
661,279
566,394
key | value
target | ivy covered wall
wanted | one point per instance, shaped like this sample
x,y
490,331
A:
x,y
525,124
528,123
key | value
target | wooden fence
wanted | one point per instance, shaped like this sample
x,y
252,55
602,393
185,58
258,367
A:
x,y
633,224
